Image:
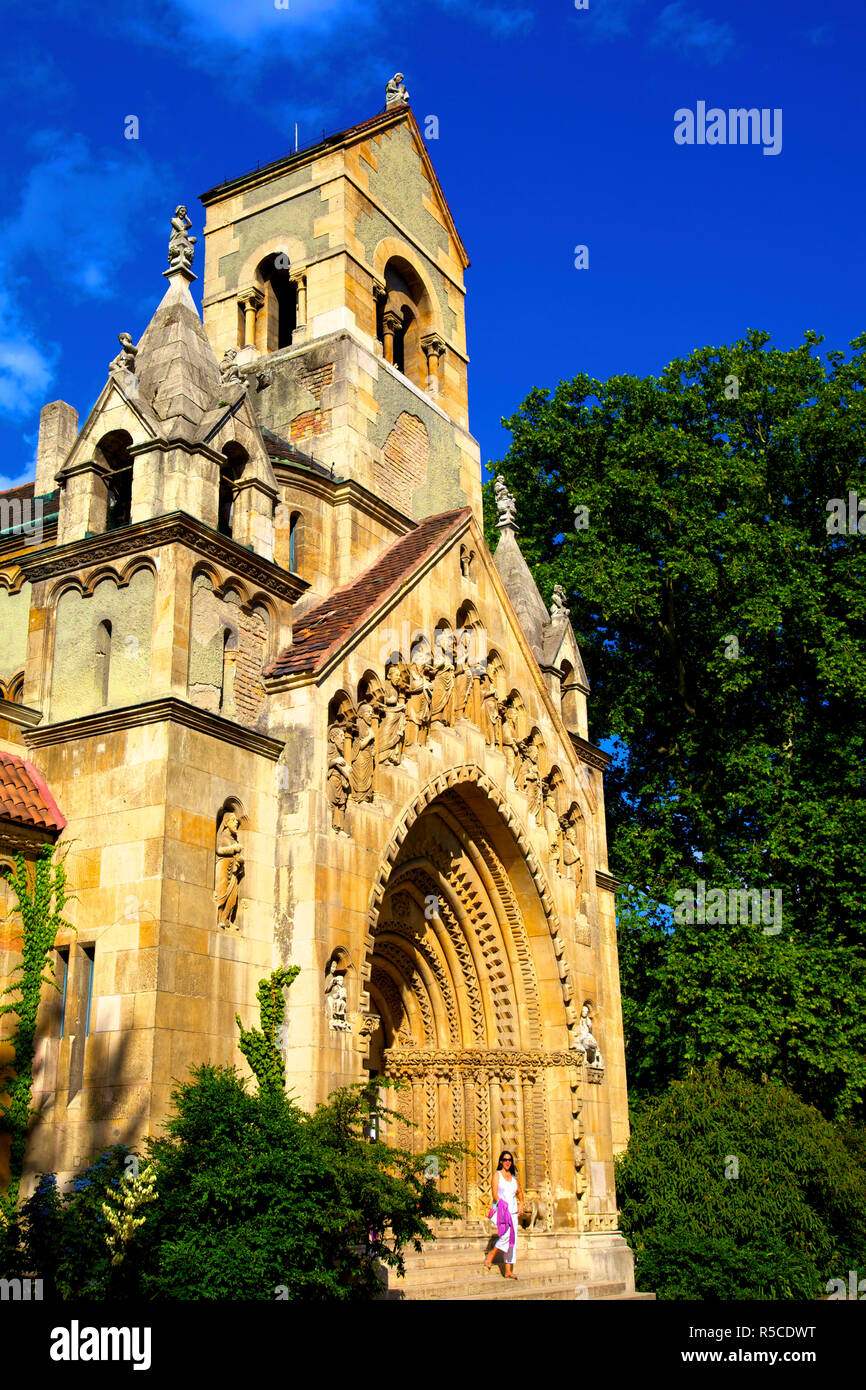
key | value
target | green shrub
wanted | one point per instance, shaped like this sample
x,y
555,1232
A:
x,y
793,1217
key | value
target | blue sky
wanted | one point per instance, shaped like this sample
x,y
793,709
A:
x,y
556,129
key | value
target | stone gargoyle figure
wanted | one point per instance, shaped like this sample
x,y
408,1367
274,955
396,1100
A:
x,y
125,359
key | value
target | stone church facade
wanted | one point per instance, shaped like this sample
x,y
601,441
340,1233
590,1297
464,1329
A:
x,y
264,679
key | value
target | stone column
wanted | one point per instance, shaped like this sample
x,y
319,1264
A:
x,y
251,300
495,1118
390,323
300,284
530,1175
434,349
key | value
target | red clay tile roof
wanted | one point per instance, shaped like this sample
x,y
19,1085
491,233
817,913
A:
x,y
24,795
321,630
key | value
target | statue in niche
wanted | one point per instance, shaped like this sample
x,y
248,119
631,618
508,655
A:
x,y
510,740
530,781
586,1039
125,359
490,713
466,558
181,246
572,859
416,689
442,690
506,506
551,822
464,678
392,719
229,870
395,92
337,999
558,607
229,370
364,753
339,782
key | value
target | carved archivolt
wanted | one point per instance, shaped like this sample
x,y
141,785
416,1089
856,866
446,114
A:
x,y
454,681
450,779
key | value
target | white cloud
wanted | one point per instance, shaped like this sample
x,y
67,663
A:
x,y
691,34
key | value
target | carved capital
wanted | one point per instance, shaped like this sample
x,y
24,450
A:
x,y
433,345
391,321
251,297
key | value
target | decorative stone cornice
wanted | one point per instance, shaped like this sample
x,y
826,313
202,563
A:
x,y
169,710
22,715
176,528
605,880
588,751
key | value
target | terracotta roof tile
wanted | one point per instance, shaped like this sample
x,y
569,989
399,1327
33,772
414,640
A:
x,y
24,795
321,630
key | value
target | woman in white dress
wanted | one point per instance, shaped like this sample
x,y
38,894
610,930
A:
x,y
505,1186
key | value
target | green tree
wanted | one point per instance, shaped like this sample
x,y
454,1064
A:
x,y
247,1196
722,626
731,1189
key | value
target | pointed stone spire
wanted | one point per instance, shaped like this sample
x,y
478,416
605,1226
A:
x,y
177,371
516,574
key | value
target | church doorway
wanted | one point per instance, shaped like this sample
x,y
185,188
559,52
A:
x,y
465,983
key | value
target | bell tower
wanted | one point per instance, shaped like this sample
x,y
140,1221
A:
x,y
336,274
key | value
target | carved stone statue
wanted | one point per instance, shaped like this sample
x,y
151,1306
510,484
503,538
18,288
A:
x,y
466,558
364,753
392,720
442,693
229,371
551,822
229,870
530,781
181,246
416,689
464,678
572,860
395,92
586,1040
510,740
490,712
125,359
337,999
339,775
505,504
558,607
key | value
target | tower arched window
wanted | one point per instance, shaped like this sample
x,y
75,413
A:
x,y
230,474
113,453
280,309
295,537
406,314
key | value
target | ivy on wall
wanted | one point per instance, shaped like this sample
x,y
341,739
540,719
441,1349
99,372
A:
x,y
40,906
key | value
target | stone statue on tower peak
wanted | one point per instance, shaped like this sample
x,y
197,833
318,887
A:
x,y
395,92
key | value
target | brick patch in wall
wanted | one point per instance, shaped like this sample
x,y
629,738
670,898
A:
x,y
310,423
403,466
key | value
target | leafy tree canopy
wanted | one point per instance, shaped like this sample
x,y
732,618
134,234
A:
x,y
722,627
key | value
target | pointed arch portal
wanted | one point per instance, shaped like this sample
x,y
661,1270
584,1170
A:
x,y
467,976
